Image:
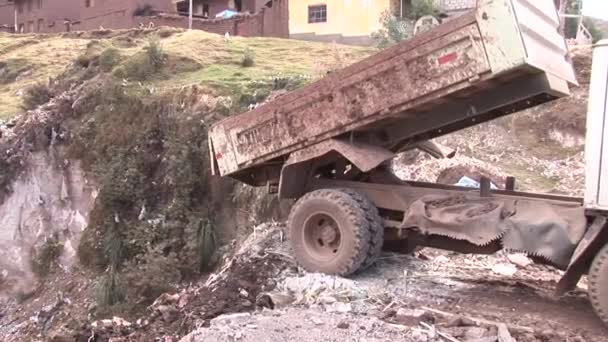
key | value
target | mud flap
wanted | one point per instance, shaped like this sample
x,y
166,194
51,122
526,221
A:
x,y
592,241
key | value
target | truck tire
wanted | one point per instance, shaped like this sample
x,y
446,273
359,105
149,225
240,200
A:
x,y
376,226
598,284
329,232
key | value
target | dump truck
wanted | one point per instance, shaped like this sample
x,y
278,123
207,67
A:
x,y
328,146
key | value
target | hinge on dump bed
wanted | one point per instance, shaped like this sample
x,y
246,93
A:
x,y
273,187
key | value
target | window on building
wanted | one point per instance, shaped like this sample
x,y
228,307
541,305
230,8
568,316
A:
x,y
238,5
38,4
40,25
317,14
89,3
206,10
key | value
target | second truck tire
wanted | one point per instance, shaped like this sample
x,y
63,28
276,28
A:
x,y
598,284
330,232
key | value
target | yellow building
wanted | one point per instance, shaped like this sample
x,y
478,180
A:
x,y
345,21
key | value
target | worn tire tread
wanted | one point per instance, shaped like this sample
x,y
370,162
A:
x,y
599,298
356,215
376,226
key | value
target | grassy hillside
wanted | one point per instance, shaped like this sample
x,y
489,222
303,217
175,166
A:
x,y
193,57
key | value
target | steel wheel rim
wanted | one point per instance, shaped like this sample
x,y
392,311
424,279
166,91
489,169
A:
x,y
322,237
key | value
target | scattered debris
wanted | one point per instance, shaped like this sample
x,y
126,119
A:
x,y
520,260
504,269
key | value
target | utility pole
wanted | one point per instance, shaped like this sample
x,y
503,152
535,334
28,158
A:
x,y
190,16
16,18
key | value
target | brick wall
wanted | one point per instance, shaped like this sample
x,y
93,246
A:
x,y
7,15
118,14
268,22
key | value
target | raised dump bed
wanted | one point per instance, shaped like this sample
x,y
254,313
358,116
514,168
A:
x,y
505,56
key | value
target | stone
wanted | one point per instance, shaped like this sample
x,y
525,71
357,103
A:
x,y
412,317
343,325
474,333
442,259
519,259
459,321
340,307
232,318
504,269
327,300
316,320
419,336
274,300
168,313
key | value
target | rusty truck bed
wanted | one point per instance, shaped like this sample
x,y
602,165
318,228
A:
x,y
503,57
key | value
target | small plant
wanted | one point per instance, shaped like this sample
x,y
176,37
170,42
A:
x,y
143,65
44,258
393,30
421,8
248,59
36,95
11,69
110,290
206,245
108,59
155,53
83,60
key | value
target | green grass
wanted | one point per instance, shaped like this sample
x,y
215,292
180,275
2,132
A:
x,y
45,55
194,57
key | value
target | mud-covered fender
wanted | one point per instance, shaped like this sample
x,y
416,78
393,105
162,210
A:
x,y
593,240
295,171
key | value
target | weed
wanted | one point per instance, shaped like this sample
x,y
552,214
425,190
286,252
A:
x,y
44,258
206,245
421,8
11,69
393,30
110,290
248,59
155,53
36,95
143,65
108,59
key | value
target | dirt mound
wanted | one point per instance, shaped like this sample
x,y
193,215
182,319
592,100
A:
x,y
234,288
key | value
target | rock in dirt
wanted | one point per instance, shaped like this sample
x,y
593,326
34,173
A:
x,y
412,317
504,335
519,259
232,318
474,333
343,325
274,300
507,270
459,321
168,313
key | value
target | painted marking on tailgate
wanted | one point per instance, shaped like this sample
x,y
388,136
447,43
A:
x,y
448,58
